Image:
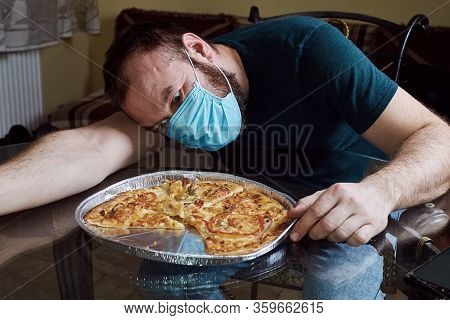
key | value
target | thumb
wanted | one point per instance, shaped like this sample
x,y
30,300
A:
x,y
303,204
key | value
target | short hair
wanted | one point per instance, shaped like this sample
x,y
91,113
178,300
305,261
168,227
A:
x,y
137,38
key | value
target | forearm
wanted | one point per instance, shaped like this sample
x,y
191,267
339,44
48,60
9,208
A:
x,y
419,171
56,166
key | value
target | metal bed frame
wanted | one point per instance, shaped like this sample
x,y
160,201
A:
x,y
419,21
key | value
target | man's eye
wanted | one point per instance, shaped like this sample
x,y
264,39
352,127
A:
x,y
177,97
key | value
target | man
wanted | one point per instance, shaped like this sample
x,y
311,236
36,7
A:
x,y
298,71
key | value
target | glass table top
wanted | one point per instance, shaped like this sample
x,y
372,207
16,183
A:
x,y
45,255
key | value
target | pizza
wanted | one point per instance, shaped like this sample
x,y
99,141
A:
x,y
230,218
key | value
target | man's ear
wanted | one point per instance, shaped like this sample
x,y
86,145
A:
x,y
198,48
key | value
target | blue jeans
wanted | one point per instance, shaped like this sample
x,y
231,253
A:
x,y
339,271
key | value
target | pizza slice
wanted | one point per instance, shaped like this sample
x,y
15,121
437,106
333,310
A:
x,y
211,192
240,223
230,237
156,221
177,189
158,200
233,245
250,202
197,194
142,208
200,191
205,194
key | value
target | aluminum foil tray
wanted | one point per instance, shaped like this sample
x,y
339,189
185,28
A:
x,y
184,247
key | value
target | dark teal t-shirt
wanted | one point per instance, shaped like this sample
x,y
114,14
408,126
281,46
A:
x,y
312,93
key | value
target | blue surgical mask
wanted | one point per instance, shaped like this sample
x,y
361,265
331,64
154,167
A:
x,y
204,120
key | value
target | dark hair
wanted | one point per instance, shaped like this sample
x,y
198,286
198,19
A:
x,y
137,38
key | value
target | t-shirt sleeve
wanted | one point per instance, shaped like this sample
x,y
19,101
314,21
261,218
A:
x,y
343,80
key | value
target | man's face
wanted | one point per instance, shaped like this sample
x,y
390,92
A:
x,y
159,84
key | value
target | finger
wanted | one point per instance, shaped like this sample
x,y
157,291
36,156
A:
x,y
346,229
298,210
329,223
303,205
315,212
362,235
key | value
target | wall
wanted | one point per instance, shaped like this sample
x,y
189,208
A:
x,y
68,76
65,72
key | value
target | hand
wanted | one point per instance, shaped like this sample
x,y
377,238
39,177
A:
x,y
350,212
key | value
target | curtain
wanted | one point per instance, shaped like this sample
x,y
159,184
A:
x,y
31,24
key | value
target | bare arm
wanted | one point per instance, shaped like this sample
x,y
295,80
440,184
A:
x,y
355,212
68,162
419,143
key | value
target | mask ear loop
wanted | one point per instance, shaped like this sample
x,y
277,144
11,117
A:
x,y
195,72
192,65
223,73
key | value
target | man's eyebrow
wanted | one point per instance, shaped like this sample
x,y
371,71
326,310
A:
x,y
166,93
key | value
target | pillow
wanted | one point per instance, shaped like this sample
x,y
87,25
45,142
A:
x,y
82,112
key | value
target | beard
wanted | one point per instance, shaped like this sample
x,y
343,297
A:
x,y
217,81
